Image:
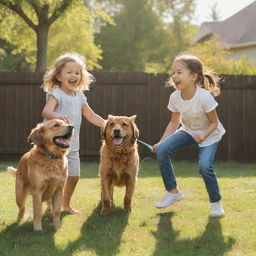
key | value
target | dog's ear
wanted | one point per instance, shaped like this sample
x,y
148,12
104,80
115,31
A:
x,y
36,135
133,117
134,127
135,131
103,130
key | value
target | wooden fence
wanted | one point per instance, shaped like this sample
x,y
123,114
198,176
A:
x,y
22,100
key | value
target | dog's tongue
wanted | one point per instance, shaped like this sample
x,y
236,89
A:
x,y
63,142
117,141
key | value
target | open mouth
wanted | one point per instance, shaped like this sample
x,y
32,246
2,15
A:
x,y
118,140
72,82
62,141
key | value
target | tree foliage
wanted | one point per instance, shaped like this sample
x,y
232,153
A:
x,y
215,12
10,61
68,24
126,45
135,35
74,31
15,32
215,55
147,34
38,15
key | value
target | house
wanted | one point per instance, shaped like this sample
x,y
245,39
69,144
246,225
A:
x,y
238,31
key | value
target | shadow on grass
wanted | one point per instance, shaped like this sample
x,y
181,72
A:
x,y
21,239
100,233
211,242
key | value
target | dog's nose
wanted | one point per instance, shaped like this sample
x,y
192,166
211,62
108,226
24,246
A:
x,y
116,132
70,127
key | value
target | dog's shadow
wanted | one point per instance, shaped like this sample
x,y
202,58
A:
x,y
17,239
100,233
169,243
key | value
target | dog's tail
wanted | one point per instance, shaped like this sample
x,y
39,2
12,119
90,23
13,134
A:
x,y
12,170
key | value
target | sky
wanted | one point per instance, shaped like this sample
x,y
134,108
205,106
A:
x,y
226,9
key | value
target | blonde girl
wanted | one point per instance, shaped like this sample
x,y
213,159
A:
x,y
194,121
64,84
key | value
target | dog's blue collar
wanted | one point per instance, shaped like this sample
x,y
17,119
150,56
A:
x,y
50,156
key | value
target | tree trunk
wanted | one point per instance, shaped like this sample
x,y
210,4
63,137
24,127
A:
x,y
42,39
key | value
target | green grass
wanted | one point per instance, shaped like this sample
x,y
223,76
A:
x,y
183,229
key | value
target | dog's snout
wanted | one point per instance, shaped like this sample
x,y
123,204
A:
x,y
116,132
70,128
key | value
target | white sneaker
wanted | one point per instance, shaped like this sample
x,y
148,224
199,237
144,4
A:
x,y
217,210
169,199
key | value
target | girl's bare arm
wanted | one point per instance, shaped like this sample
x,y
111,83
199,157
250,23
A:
x,y
48,111
170,129
213,119
92,117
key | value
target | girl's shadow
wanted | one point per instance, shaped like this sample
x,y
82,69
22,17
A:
x,y
100,233
169,243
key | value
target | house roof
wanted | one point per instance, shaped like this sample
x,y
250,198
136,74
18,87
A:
x,y
238,30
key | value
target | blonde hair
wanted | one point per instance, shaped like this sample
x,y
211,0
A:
x,y
50,77
208,80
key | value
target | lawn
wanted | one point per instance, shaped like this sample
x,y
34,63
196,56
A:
x,y
183,229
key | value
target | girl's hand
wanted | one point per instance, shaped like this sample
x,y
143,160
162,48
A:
x,y
154,147
63,117
199,138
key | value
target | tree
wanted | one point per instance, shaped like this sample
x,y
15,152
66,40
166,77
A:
x,y
215,13
215,53
10,61
134,39
73,30
39,15
177,16
147,34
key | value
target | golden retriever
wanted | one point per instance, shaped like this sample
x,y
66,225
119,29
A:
x,y
42,171
119,159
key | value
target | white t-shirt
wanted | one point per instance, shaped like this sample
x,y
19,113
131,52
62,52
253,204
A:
x,y
193,112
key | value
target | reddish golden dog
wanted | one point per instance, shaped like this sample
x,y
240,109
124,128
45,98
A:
x,y
43,170
119,160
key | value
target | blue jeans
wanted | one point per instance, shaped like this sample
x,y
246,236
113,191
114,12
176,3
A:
x,y
181,139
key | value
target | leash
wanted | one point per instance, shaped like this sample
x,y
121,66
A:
x,y
145,144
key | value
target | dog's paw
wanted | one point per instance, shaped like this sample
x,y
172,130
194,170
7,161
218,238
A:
x,y
127,205
127,209
105,211
38,229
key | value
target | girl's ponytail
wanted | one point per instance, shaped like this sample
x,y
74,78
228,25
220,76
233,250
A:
x,y
210,82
